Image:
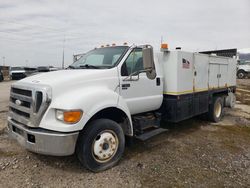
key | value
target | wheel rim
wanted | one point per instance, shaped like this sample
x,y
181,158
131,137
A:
x,y
241,75
105,146
218,109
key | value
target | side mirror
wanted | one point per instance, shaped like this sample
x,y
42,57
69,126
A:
x,y
148,62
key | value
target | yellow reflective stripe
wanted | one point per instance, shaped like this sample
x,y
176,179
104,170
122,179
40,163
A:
x,y
191,91
178,93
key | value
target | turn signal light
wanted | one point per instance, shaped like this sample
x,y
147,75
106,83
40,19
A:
x,y
71,117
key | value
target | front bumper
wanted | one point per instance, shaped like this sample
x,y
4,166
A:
x,y
43,141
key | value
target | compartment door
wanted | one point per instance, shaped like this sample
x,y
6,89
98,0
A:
x,y
200,73
213,75
223,75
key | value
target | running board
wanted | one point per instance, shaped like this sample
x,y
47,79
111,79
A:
x,y
150,134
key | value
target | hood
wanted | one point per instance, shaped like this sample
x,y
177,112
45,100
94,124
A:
x,y
66,76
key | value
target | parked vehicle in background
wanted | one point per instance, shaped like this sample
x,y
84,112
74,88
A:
x,y
1,76
243,69
43,69
17,73
117,92
29,71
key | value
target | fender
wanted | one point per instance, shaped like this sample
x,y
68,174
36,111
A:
x,y
109,101
90,100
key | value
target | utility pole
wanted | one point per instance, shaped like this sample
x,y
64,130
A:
x,y
26,61
63,53
3,61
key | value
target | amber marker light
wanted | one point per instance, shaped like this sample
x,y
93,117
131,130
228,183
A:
x,y
164,46
71,117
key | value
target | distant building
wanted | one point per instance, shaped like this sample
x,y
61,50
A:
x,y
225,52
6,71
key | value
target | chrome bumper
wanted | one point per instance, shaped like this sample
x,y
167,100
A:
x,y
43,141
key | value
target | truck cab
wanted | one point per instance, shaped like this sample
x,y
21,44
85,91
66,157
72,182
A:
x,y
243,69
112,93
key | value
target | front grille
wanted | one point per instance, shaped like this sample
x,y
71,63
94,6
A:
x,y
19,112
21,92
27,105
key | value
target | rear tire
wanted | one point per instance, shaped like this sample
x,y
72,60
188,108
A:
x,y
101,145
216,110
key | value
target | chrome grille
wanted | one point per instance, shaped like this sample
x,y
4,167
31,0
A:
x,y
28,104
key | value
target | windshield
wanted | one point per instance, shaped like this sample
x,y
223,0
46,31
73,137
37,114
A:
x,y
243,62
17,68
100,58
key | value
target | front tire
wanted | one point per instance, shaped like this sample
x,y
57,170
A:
x,y
216,110
241,74
101,145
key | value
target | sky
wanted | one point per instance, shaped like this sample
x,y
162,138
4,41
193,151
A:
x,y
34,32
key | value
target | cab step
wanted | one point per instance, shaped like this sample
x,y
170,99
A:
x,y
145,121
150,133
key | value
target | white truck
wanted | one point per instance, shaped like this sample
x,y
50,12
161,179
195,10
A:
x,y
117,92
243,69
17,73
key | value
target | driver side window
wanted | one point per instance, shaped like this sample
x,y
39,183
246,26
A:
x,y
133,63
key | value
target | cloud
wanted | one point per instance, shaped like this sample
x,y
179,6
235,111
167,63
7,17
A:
x,y
35,30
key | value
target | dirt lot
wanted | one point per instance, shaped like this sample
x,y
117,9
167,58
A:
x,y
195,153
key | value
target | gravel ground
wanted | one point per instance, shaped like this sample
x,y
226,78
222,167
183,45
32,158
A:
x,y
243,83
194,153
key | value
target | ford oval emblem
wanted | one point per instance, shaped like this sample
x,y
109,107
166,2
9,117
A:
x,y
35,81
18,102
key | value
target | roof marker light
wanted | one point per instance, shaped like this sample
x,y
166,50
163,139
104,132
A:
x,y
164,46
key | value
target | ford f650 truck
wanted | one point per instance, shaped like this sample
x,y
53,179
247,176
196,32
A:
x,y
117,92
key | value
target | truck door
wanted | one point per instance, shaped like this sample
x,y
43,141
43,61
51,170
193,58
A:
x,y
140,93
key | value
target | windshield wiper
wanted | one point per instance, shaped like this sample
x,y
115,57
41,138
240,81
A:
x,y
72,67
87,66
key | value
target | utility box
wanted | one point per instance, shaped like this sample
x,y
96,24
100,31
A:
x,y
187,72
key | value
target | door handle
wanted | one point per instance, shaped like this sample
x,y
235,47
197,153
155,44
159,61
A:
x,y
125,86
158,81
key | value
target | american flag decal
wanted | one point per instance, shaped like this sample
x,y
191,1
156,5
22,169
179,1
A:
x,y
185,64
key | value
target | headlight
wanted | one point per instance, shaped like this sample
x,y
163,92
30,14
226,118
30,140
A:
x,y
69,116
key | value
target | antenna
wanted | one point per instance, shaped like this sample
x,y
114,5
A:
x,y
63,53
